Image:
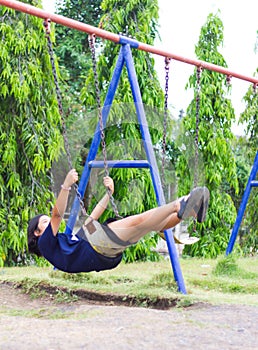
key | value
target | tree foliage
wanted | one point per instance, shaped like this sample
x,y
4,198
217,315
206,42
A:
x,y
216,160
250,118
249,228
248,238
29,137
72,46
138,19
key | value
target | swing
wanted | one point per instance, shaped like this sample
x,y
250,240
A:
x,y
61,112
101,126
190,239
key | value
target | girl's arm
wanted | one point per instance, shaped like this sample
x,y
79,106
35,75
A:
x,y
103,203
61,202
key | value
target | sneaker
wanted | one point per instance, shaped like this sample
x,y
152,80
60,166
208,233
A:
x,y
201,215
191,205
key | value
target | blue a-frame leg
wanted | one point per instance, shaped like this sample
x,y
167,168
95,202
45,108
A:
x,y
125,57
251,183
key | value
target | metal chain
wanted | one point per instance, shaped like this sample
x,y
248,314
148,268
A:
x,y
197,121
61,111
101,125
228,79
164,142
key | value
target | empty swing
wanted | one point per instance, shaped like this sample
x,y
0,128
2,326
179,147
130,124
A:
x,y
190,239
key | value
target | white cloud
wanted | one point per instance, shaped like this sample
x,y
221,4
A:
x,y
49,5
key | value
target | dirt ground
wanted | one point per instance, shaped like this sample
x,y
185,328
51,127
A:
x,y
43,324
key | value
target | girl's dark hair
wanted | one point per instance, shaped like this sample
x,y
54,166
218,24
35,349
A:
x,y
32,239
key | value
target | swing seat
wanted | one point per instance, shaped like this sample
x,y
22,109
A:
x,y
186,241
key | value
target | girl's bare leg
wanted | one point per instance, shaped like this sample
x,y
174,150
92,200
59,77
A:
x,y
172,221
134,227
161,218
169,222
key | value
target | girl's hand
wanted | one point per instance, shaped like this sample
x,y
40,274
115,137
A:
x,y
71,178
109,183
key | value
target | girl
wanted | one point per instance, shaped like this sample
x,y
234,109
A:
x,y
96,246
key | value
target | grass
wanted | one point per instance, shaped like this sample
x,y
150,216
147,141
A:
x,y
225,280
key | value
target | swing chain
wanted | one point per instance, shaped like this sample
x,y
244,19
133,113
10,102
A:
x,y
228,79
164,143
197,121
91,39
61,110
101,125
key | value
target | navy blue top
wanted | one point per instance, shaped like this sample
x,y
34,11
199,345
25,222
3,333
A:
x,y
73,255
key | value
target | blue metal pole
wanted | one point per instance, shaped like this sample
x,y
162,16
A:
x,y
120,164
152,161
95,142
243,204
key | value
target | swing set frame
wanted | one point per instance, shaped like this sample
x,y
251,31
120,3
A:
x,y
125,58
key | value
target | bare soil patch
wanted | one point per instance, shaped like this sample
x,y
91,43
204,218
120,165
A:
x,y
43,324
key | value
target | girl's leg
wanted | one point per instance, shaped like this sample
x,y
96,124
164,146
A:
x,y
166,216
171,221
134,227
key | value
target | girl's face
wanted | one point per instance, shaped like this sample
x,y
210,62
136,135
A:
x,y
44,221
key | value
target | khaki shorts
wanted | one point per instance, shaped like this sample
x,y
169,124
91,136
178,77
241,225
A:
x,y
102,239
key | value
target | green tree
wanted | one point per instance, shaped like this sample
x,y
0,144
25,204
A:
x,y
250,119
133,187
216,159
29,128
72,48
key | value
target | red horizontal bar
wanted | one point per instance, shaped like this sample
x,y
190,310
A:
x,y
198,63
68,22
